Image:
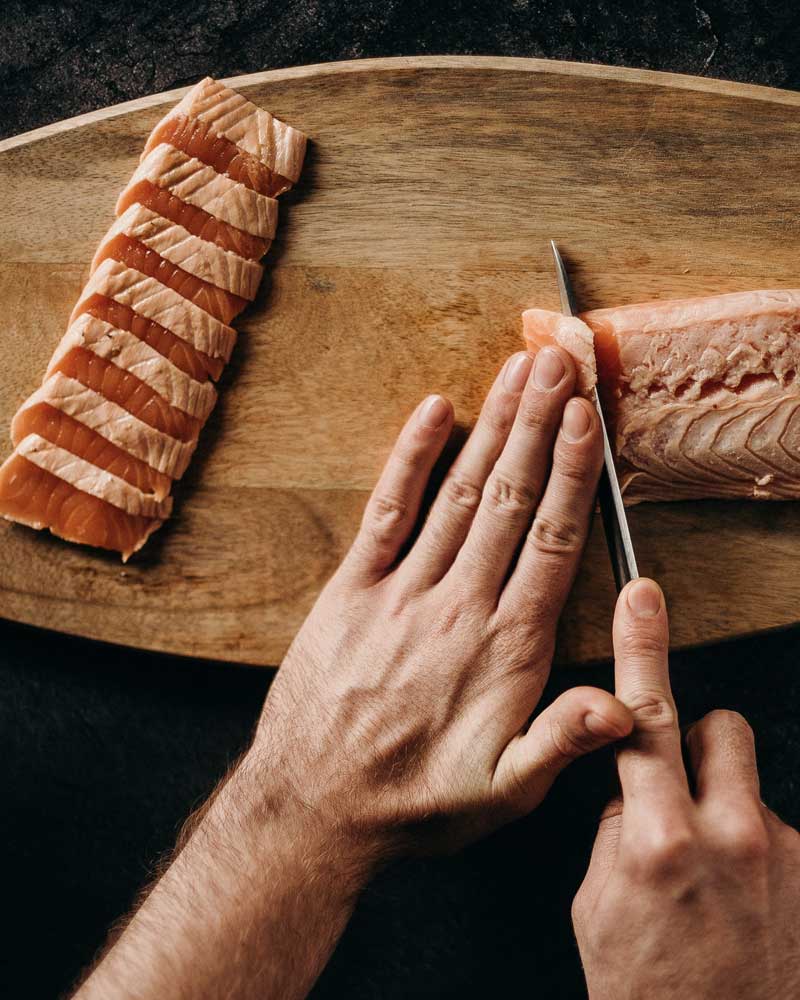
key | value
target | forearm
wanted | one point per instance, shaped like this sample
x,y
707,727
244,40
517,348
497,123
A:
x,y
251,907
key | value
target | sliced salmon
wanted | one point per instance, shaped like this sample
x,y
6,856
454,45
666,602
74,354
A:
x,y
160,451
188,359
195,220
702,396
161,304
133,355
215,301
192,181
277,145
198,257
542,328
198,139
60,428
33,496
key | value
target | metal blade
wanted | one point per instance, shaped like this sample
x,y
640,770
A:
x,y
612,509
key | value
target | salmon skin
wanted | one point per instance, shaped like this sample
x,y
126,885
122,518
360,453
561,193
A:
x,y
701,396
118,415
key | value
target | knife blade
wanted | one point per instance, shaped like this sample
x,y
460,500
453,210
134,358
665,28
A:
x,y
609,495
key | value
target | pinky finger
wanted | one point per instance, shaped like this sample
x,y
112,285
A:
x,y
393,507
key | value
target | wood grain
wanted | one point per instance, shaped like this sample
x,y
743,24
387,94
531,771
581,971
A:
x,y
416,237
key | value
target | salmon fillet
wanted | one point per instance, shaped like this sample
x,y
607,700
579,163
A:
x,y
177,245
130,385
193,182
701,396
161,304
197,399
278,146
33,496
163,453
195,220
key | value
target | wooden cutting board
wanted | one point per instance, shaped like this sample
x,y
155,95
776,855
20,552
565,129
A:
x,y
404,258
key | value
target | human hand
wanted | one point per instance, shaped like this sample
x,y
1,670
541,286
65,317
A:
x,y
401,712
692,891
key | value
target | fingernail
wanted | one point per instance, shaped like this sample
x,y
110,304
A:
x,y
433,412
644,598
517,371
600,726
548,370
576,421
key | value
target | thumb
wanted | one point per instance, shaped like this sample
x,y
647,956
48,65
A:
x,y
581,720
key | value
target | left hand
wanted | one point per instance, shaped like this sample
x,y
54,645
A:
x,y
400,715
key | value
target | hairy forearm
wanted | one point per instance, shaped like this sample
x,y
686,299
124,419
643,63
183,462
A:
x,y
252,906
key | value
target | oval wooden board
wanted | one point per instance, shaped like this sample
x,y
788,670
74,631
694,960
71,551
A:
x,y
414,240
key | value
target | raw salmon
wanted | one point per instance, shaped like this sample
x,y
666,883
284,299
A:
x,y
33,496
192,181
163,453
195,220
702,395
204,260
277,145
161,304
118,415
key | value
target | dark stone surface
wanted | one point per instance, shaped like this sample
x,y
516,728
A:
x,y
104,751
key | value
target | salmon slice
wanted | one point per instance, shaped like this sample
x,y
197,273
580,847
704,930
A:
x,y
162,305
702,396
127,391
193,182
177,245
33,496
192,362
198,139
61,429
216,301
134,356
278,146
160,451
196,221
541,328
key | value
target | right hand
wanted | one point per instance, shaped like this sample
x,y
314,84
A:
x,y
693,891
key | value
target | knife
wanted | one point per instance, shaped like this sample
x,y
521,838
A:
x,y
609,495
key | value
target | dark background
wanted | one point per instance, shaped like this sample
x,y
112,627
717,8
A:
x,y
104,751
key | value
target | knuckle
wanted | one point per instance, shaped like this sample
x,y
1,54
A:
x,y
745,837
535,416
643,641
460,492
723,719
506,496
664,852
652,710
556,534
383,517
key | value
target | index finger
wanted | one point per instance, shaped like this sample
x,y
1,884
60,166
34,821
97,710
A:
x,y
650,762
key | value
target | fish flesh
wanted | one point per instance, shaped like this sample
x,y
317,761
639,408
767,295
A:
x,y
701,396
119,412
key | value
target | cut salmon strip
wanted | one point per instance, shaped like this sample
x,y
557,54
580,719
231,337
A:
x,y
702,396
215,301
89,479
542,328
33,496
160,451
162,305
188,359
198,139
60,428
127,391
200,258
135,356
277,145
195,183
196,221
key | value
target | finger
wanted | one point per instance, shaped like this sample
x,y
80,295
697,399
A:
x,y
392,510
514,487
458,498
722,756
650,763
549,560
581,720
